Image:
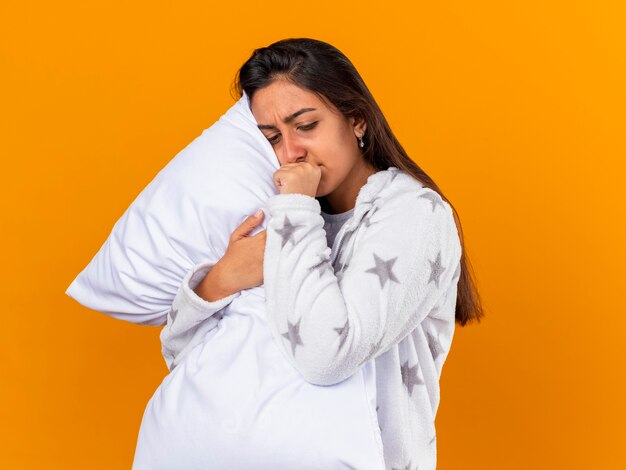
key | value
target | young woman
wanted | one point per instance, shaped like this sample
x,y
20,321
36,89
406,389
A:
x,y
397,277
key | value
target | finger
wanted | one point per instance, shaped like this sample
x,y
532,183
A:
x,y
261,233
247,225
277,180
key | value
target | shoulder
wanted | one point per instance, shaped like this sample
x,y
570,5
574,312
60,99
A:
x,y
405,193
408,213
409,208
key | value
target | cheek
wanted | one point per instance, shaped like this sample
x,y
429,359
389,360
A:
x,y
334,150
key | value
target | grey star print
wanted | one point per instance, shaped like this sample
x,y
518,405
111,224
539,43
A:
x,y
436,269
410,376
433,345
287,231
293,335
343,333
383,269
433,197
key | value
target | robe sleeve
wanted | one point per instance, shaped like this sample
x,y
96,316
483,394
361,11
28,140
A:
x,y
191,317
329,324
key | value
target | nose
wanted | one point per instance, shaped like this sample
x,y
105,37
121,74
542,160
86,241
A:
x,y
293,151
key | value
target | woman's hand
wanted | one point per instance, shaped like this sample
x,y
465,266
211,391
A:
x,y
241,267
298,178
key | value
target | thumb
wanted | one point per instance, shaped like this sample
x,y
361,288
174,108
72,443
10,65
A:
x,y
249,223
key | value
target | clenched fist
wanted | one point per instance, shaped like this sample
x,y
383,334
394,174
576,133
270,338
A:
x,y
298,178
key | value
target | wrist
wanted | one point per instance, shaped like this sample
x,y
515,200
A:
x,y
213,287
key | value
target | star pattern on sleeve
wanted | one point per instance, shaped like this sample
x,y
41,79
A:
x,y
343,333
383,269
410,376
287,231
293,335
433,197
436,269
433,344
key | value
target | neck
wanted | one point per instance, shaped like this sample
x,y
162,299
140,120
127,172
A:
x,y
343,198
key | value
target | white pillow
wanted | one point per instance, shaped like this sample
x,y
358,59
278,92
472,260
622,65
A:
x,y
184,216
234,401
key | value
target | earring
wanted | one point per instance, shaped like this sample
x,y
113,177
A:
x,y
361,143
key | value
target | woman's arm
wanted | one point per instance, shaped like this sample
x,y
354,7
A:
x,y
208,288
328,324
191,316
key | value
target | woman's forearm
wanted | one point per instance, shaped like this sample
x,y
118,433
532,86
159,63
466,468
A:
x,y
215,285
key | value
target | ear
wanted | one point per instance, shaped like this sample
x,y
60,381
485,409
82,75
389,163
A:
x,y
359,125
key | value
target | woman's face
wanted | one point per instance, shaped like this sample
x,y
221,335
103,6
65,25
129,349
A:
x,y
315,132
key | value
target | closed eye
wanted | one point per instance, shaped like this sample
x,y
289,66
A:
x,y
308,127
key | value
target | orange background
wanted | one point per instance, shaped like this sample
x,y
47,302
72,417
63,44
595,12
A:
x,y
516,111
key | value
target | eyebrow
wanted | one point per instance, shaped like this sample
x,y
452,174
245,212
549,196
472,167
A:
x,y
288,119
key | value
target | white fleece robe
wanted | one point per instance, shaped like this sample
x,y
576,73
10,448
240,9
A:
x,y
385,291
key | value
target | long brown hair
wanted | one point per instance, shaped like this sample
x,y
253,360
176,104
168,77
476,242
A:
x,y
324,70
